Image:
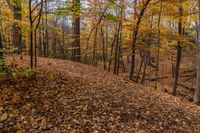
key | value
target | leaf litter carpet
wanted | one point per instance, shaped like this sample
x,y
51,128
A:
x,y
72,97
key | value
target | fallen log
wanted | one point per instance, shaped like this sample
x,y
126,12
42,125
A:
x,y
154,79
186,87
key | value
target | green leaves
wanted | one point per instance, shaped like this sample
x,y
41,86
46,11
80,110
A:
x,y
111,1
112,17
70,8
4,69
13,71
27,73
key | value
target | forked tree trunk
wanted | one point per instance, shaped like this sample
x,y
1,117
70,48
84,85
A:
x,y
135,34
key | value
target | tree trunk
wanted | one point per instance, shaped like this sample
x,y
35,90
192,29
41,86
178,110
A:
x,y
1,42
1,47
43,40
76,45
63,43
147,55
46,31
16,7
40,43
31,35
135,33
158,45
178,55
197,90
94,48
111,53
104,53
117,51
17,31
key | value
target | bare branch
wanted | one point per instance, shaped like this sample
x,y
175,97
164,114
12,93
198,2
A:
x,y
9,4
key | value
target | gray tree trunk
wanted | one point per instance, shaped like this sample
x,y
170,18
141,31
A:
x,y
197,91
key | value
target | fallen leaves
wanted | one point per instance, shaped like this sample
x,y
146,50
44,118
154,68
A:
x,y
3,117
71,97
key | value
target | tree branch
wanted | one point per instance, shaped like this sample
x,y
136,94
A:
x,y
9,4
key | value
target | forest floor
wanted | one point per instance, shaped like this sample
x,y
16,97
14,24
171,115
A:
x,y
72,97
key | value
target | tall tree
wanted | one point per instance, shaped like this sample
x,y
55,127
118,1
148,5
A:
x,y
1,43
134,37
46,39
118,41
76,24
197,90
178,51
158,45
16,7
33,29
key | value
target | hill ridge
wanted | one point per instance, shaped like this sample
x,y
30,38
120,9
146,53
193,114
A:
x,y
72,97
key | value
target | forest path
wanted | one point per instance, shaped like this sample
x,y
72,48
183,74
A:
x,y
72,97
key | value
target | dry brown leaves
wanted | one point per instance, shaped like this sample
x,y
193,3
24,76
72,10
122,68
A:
x,y
72,97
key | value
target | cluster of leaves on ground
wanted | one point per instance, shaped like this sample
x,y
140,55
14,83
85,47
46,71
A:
x,y
71,97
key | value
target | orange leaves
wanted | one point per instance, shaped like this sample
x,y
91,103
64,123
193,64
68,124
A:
x,y
19,128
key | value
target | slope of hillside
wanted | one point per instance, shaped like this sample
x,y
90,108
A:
x,y
72,97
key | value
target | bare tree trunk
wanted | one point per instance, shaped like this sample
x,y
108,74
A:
x,y
40,43
117,51
145,66
140,68
63,43
94,48
104,53
173,61
111,53
46,31
43,40
158,47
34,31
119,37
31,34
55,40
178,55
